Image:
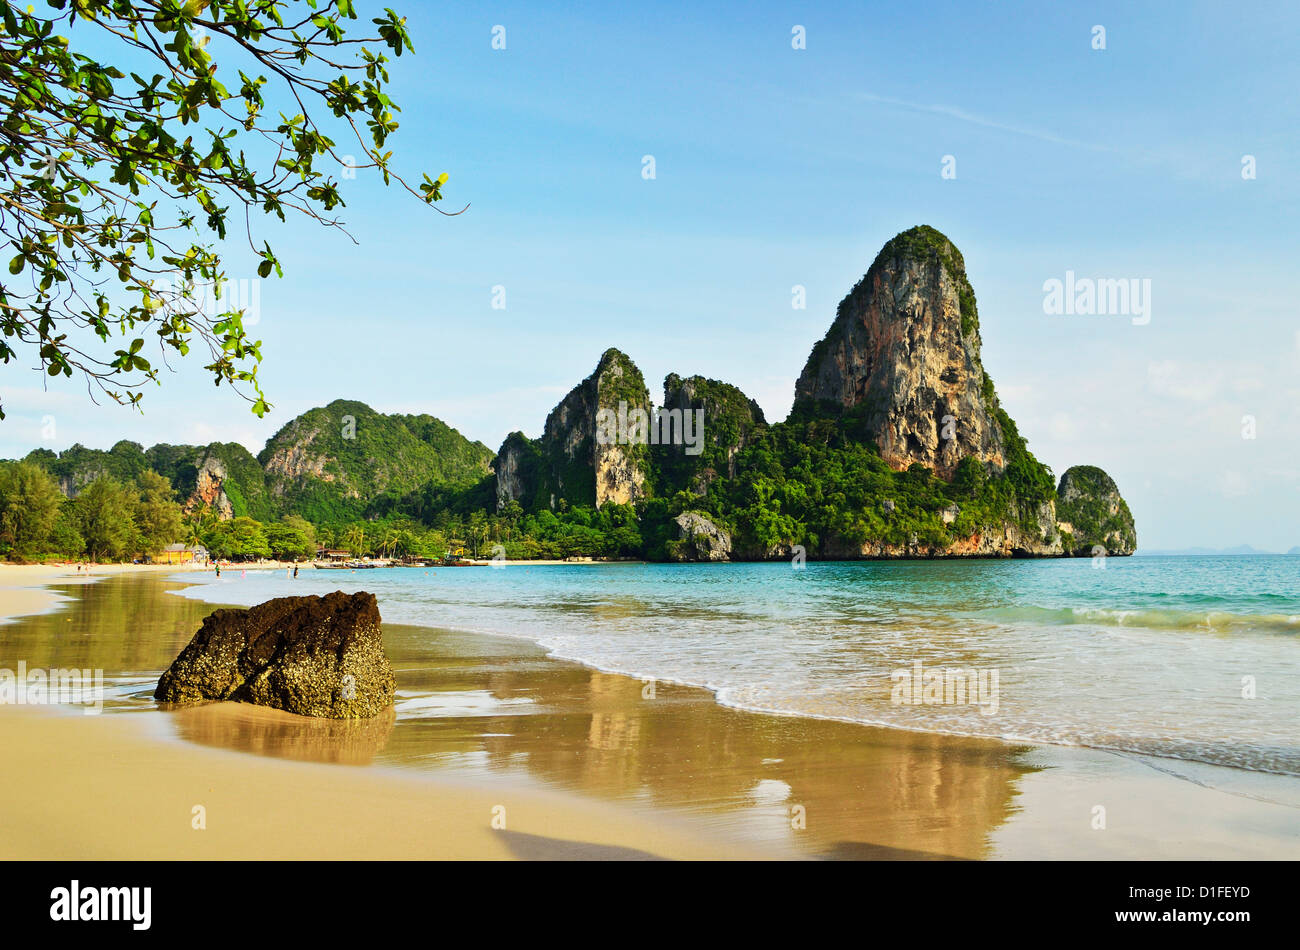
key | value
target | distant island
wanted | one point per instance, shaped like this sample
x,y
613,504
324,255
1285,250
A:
x,y
896,447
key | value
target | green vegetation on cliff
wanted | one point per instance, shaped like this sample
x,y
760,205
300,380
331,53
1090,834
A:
x,y
1090,502
78,466
729,417
815,483
337,462
243,483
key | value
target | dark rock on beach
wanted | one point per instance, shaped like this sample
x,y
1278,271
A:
x,y
314,656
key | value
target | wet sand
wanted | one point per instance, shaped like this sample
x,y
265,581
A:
x,y
582,760
98,788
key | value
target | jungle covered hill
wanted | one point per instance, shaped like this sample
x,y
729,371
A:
x,y
897,446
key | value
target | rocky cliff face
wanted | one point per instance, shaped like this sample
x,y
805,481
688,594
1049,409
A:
x,y
515,469
1092,516
228,480
294,457
1034,534
699,539
208,492
904,352
620,468
901,365
726,418
569,462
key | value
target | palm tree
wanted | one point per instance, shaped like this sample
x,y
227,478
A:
x,y
402,543
198,525
477,529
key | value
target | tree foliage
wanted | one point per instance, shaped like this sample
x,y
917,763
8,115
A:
x,y
157,515
108,520
120,176
30,501
105,520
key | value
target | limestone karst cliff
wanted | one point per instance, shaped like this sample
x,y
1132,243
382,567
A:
x,y
727,421
897,445
1092,515
904,352
569,463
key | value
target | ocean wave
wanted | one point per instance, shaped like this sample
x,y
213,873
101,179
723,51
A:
x,y
1175,696
1218,621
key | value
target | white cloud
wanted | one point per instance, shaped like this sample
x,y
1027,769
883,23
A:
x,y
952,112
1195,384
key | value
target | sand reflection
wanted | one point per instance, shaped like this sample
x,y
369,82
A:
x,y
263,731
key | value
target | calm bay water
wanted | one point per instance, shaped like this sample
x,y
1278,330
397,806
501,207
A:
x,y
1146,655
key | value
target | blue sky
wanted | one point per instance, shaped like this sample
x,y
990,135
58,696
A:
x,y
777,167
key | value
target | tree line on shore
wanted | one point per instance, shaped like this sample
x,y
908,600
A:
x,y
124,520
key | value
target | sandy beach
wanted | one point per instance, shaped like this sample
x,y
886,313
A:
x,y
268,808
101,789
575,762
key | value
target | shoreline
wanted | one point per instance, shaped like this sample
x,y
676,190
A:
x,y
719,695
282,805
25,588
682,777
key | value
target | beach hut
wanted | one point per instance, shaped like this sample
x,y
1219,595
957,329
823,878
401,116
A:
x,y
182,554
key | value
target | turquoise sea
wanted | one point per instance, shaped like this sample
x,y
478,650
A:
x,y
1193,658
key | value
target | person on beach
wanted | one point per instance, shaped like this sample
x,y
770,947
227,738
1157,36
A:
x,y
295,570
217,565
